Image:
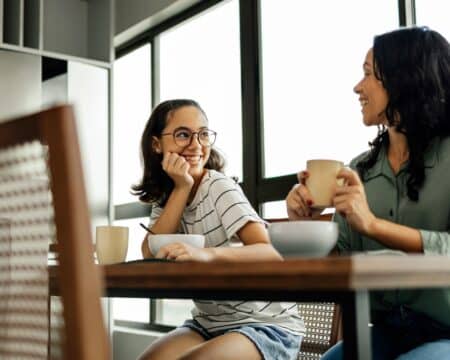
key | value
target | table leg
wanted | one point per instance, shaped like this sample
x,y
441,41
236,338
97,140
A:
x,y
356,319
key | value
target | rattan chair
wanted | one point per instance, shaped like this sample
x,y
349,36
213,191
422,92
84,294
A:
x,y
42,200
322,321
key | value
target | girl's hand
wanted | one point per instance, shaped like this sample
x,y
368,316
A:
x,y
184,252
351,202
299,200
177,168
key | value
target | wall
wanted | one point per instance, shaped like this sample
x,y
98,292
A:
x,y
20,85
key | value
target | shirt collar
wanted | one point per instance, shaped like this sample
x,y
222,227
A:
x,y
382,166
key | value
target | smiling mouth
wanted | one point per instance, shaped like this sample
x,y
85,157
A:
x,y
193,159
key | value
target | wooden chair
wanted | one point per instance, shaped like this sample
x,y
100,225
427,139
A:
x,y
322,321
43,199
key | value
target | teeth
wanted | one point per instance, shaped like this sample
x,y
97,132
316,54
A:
x,y
364,102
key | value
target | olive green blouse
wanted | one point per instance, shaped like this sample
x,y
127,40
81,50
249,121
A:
x,y
387,199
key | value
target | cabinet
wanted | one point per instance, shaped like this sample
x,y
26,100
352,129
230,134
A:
x,y
66,28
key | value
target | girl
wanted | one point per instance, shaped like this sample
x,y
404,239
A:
x,y
183,181
396,195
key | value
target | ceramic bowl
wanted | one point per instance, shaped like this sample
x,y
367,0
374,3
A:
x,y
304,238
155,242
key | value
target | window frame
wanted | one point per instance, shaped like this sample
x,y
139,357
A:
x,y
258,189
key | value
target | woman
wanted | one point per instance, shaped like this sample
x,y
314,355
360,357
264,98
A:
x,y
397,195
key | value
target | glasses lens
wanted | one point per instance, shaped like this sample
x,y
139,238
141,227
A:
x,y
182,137
207,137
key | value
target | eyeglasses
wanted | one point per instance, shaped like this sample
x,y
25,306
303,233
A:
x,y
183,136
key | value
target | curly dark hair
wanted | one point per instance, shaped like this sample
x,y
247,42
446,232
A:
x,y
156,185
413,65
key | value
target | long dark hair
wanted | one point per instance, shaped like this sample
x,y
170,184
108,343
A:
x,y
414,66
156,185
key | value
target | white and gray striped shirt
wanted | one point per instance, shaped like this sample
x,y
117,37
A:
x,y
218,210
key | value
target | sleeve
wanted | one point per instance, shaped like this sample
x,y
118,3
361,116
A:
x,y
435,242
344,244
232,206
347,240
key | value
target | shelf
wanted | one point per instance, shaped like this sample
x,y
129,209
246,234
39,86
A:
x,y
13,22
32,25
78,28
73,29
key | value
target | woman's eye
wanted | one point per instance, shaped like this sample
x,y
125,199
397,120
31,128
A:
x,y
204,134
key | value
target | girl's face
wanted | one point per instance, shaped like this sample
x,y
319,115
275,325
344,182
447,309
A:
x,y
372,95
184,122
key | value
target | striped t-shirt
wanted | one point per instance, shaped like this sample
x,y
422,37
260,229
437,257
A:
x,y
218,210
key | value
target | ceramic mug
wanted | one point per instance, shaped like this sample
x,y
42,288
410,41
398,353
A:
x,y
111,244
322,181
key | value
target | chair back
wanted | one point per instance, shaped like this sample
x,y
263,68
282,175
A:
x,y
43,201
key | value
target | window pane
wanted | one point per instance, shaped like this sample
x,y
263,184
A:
x,y
200,59
132,309
435,14
132,105
312,59
174,312
274,210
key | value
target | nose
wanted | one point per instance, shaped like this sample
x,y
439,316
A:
x,y
195,141
357,87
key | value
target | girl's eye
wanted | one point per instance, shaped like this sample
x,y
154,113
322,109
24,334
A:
x,y
204,134
182,134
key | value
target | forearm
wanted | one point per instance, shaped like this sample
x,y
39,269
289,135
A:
x,y
169,220
146,253
396,236
255,252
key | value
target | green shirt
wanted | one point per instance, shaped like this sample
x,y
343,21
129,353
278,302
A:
x,y
387,199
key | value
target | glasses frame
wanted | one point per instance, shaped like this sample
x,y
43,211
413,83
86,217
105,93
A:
x,y
211,132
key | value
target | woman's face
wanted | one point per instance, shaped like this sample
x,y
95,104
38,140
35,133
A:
x,y
183,122
372,95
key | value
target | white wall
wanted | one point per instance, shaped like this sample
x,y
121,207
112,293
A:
x,y
20,84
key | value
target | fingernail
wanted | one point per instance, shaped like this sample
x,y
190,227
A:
x,y
309,202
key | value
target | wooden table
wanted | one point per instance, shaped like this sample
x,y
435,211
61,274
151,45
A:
x,y
344,280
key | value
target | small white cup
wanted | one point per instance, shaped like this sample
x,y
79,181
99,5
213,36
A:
x,y
322,181
111,244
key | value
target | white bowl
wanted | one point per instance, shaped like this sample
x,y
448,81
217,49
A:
x,y
155,242
304,238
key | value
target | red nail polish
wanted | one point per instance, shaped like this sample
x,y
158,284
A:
x,y
309,202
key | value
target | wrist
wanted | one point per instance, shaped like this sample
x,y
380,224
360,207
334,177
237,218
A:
x,y
372,228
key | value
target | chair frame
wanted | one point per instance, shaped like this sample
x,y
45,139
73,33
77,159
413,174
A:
x,y
80,281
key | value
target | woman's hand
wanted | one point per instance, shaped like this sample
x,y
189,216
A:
x,y
299,200
177,168
351,202
184,252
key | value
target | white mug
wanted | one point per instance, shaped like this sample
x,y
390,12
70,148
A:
x,y
322,181
111,244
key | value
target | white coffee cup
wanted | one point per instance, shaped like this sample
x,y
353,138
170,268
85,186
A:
x,y
322,181
111,244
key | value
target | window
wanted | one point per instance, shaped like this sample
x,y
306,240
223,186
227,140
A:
x,y
434,14
205,66
132,105
312,58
